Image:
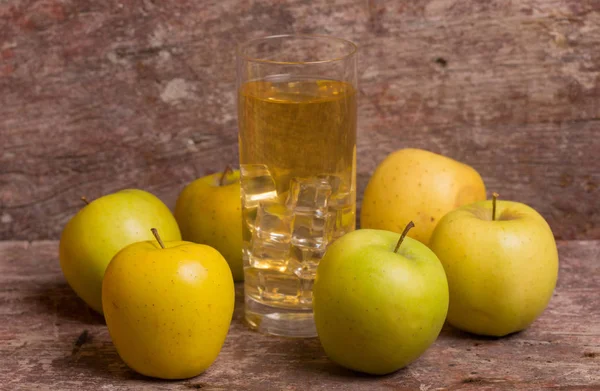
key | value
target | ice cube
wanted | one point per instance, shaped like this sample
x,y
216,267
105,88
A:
x,y
344,220
312,229
273,222
308,194
266,254
270,244
248,219
275,286
257,185
335,182
305,293
304,260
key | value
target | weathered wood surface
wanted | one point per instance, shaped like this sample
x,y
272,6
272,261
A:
x,y
97,96
41,321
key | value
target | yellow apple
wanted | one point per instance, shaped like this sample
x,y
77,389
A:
x,y
102,228
418,185
209,211
501,269
168,307
379,301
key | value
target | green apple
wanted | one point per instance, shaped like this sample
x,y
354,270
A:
x,y
102,228
418,185
501,263
209,211
168,306
379,303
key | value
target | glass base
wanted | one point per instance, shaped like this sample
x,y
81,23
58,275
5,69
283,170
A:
x,y
284,322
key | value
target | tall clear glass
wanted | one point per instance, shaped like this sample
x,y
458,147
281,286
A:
x,y
297,143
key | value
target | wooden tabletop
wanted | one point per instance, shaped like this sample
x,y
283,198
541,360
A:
x,y
50,340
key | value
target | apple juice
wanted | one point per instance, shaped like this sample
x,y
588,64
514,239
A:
x,y
297,144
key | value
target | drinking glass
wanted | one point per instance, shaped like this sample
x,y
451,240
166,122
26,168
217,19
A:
x,y
297,146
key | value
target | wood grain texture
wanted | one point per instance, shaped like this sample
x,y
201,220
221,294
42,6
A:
x,y
100,96
42,345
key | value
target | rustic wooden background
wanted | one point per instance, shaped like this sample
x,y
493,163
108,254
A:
x,y
96,96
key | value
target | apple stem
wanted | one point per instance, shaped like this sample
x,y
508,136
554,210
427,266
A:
x,y
406,229
157,236
84,199
228,170
494,198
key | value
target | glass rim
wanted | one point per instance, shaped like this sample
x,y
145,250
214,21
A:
x,y
241,46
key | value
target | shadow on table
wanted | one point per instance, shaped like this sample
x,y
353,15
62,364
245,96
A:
x,y
94,355
58,298
453,333
302,358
